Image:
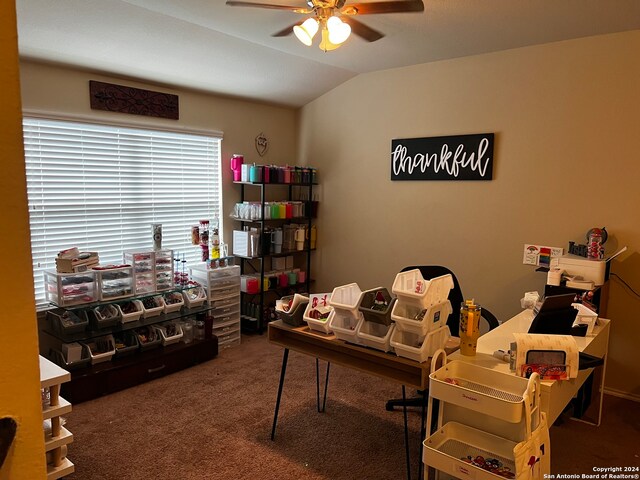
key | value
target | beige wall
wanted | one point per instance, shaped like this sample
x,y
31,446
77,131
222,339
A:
x,y
567,149
65,91
19,375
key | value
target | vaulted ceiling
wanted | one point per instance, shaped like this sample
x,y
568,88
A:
x,y
210,46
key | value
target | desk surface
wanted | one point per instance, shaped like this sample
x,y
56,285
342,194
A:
x,y
555,394
328,347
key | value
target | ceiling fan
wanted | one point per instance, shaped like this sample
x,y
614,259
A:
x,y
335,19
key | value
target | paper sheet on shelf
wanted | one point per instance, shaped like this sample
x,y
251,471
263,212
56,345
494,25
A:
x,y
564,343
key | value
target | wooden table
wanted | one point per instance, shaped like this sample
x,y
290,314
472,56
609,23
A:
x,y
327,347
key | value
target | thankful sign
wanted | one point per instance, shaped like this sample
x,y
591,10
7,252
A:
x,y
460,157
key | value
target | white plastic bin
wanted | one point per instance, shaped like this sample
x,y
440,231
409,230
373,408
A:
x,y
152,311
419,347
411,287
173,301
375,335
480,389
412,318
194,296
130,311
346,298
345,326
318,306
170,332
105,345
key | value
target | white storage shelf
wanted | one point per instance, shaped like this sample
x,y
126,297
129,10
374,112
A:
x,y
51,377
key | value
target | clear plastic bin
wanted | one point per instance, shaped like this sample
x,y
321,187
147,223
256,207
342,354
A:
x,y
413,318
143,264
345,326
346,298
376,305
375,335
411,287
419,347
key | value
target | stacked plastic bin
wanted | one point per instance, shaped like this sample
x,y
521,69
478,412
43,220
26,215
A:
x,y
319,313
346,317
420,312
376,329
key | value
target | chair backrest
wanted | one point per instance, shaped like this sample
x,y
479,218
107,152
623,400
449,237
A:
x,y
455,297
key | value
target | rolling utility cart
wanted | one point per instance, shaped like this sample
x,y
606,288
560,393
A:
x,y
489,424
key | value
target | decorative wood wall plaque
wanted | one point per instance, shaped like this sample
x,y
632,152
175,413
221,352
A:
x,y
262,144
460,157
119,98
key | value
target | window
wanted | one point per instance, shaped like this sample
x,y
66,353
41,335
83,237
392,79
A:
x,y
100,187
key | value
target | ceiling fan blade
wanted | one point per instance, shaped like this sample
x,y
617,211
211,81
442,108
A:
x,y
384,7
234,3
359,28
285,31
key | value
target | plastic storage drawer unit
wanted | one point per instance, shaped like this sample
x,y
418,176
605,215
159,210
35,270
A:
x,y
67,289
114,283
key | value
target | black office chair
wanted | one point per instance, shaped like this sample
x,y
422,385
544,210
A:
x,y
456,298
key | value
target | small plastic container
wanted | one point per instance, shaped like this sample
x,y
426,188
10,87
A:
x,y
345,326
105,316
375,335
130,311
412,318
419,347
114,283
148,337
66,321
194,296
318,312
376,305
295,317
101,349
346,298
126,343
411,287
152,306
173,302
170,332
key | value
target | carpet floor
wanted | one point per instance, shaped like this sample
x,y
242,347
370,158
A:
x,y
213,421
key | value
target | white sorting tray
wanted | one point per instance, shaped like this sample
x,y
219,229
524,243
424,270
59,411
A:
x,y
480,389
445,449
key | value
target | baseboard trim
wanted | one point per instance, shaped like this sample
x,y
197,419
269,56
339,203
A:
x,y
621,394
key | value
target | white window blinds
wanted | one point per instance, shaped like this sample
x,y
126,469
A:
x,y
100,187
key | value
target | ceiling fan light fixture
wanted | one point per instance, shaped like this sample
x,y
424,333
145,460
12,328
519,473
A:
x,y
326,45
306,31
338,30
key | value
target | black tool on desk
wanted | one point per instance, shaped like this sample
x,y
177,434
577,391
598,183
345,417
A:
x,y
556,315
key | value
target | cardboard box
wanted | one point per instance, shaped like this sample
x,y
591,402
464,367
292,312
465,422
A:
x,y
75,265
278,263
289,261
